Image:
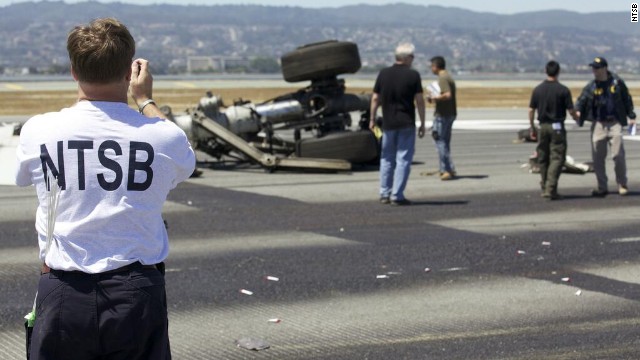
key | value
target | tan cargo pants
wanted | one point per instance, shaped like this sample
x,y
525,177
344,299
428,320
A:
x,y
603,134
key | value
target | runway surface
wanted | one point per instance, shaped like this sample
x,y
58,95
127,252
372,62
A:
x,y
478,268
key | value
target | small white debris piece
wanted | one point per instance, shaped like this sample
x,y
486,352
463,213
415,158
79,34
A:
x,y
566,279
275,321
521,252
189,202
272,278
546,243
579,292
341,229
394,273
253,344
246,292
427,270
382,276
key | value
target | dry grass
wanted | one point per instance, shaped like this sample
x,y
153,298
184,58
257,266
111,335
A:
x,y
35,102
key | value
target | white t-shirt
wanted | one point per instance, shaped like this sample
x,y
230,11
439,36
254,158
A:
x,y
115,167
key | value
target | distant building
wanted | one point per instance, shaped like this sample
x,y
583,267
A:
x,y
198,64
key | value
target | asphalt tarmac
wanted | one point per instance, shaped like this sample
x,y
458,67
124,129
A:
x,y
477,268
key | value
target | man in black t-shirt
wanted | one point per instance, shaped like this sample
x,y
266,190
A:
x,y
551,100
396,90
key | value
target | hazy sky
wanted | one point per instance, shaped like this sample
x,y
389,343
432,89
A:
x,y
496,6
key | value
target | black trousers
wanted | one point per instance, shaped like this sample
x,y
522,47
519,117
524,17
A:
x,y
119,315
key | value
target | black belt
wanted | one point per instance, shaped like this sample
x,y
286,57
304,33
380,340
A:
x,y
46,269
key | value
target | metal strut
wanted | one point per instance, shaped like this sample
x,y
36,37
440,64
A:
x,y
269,161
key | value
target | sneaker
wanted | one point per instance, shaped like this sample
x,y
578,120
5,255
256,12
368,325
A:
x,y
384,200
446,176
599,193
402,202
623,190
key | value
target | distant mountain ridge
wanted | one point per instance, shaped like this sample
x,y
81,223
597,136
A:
x,y
33,33
400,14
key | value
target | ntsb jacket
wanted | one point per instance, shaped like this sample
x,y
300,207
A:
x,y
621,98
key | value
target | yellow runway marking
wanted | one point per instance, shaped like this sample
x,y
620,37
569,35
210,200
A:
x,y
184,84
14,87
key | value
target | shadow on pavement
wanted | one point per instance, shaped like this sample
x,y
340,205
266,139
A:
x,y
472,177
439,203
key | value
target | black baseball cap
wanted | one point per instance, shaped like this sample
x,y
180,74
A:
x,y
599,62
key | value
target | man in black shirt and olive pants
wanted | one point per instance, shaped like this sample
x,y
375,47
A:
x,y
552,100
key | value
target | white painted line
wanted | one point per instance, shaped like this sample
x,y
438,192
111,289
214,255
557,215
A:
x,y
8,145
626,240
454,269
489,125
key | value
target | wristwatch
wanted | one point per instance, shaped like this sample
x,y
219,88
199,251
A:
x,y
144,104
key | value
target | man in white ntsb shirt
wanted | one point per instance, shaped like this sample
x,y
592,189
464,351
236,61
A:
x,y
101,294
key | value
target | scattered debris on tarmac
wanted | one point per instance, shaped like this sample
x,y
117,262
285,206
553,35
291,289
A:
x,y
246,292
252,344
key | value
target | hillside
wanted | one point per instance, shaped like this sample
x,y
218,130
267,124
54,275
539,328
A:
x,y
33,35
